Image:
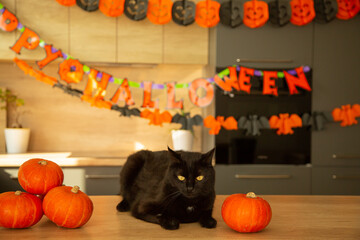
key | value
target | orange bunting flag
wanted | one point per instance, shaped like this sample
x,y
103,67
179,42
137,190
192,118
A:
x,y
215,124
156,118
346,114
285,123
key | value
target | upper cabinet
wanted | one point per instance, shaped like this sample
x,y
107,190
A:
x,y
94,37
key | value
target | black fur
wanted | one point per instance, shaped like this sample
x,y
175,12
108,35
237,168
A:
x,y
152,191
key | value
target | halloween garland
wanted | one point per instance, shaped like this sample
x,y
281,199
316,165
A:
x,y
208,13
232,78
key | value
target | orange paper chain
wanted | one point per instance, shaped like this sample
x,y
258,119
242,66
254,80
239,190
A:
x,y
215,124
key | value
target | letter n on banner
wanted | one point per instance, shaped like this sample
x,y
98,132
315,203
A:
x,y
299,81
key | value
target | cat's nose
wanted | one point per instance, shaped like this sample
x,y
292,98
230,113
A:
x,y
190,189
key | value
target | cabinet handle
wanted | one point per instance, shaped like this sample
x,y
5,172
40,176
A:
x,y
279,176
334,156
99,176
238,60
345,177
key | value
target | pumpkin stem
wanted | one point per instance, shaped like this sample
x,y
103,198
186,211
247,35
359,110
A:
x,y
75,189
18,193
250,195
42,162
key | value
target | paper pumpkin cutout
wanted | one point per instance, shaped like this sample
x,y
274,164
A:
x,y
112,8
346,114
280,12
8,21
50,56
252,124
66,3
207,13
325,10
69,90
123,93
300,81
347,9
147,102
230,13
136,9
88,5
159,11
171,103
71,71
28,39
186,121
183,12
317,120
284,123
215,124
302,12
209,95
156,118
256,13
125,111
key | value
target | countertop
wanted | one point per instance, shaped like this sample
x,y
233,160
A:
x,y
294,217
66,159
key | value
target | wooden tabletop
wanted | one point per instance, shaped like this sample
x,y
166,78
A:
x,y
294,217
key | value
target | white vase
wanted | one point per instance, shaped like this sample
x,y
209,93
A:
x,y
182,140
17,139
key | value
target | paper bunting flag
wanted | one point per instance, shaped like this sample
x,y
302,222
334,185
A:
x,y
156,118
88,5
256,13
51,55
186,121
183,12
208,88
253,124
317,120
69,90
302,12
207,13
111,8
125,111
159,11
28,39
71,71
8,21
284,123
215,124
346,114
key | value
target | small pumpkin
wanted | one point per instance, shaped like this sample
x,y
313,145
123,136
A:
x,y
256,13
246,212
68,206
19,209
38,176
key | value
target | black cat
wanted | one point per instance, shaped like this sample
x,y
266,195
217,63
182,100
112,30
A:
x,y
169,188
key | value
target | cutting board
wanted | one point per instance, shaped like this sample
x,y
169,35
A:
x,y
2,126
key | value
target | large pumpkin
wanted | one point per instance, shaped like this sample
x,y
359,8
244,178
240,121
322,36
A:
x,y
38,176
19,209
67,206
246,212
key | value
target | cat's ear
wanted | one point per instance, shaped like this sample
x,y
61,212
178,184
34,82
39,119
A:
x,y
174,155
207,157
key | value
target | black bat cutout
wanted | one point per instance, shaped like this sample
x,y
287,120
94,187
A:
x,y
253,124
68,90
186,121
125,111
317,120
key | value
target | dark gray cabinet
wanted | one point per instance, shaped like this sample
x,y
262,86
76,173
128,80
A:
x,y
102,180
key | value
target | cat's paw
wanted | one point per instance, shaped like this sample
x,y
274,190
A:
x,y
123,206
169,223
208,222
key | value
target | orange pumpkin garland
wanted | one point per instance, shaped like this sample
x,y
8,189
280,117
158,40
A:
x,y
19,209
112,8
38,176
256,13
246,213
68,206
159,11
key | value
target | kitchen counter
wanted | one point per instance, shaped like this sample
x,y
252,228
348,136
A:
x,y
294,217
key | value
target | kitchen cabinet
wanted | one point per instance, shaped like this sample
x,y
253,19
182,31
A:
x,y
263,179
102,180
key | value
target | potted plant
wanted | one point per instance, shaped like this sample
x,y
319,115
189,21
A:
x,y
183,138
16,137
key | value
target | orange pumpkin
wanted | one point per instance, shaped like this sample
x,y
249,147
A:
x,y
256,13
112,8
159,11
38,176
19,210
67,206
67,3
347,9
302,12
246,212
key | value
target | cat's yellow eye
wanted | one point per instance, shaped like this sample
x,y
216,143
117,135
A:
x,y
181,178
199,178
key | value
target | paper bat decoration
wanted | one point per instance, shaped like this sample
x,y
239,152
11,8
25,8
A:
x,y
317,120
253,124
125,111
284,123
346,114
186,121
156,118
215,124
68,90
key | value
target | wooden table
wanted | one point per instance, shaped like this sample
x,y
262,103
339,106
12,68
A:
x,y
294,217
